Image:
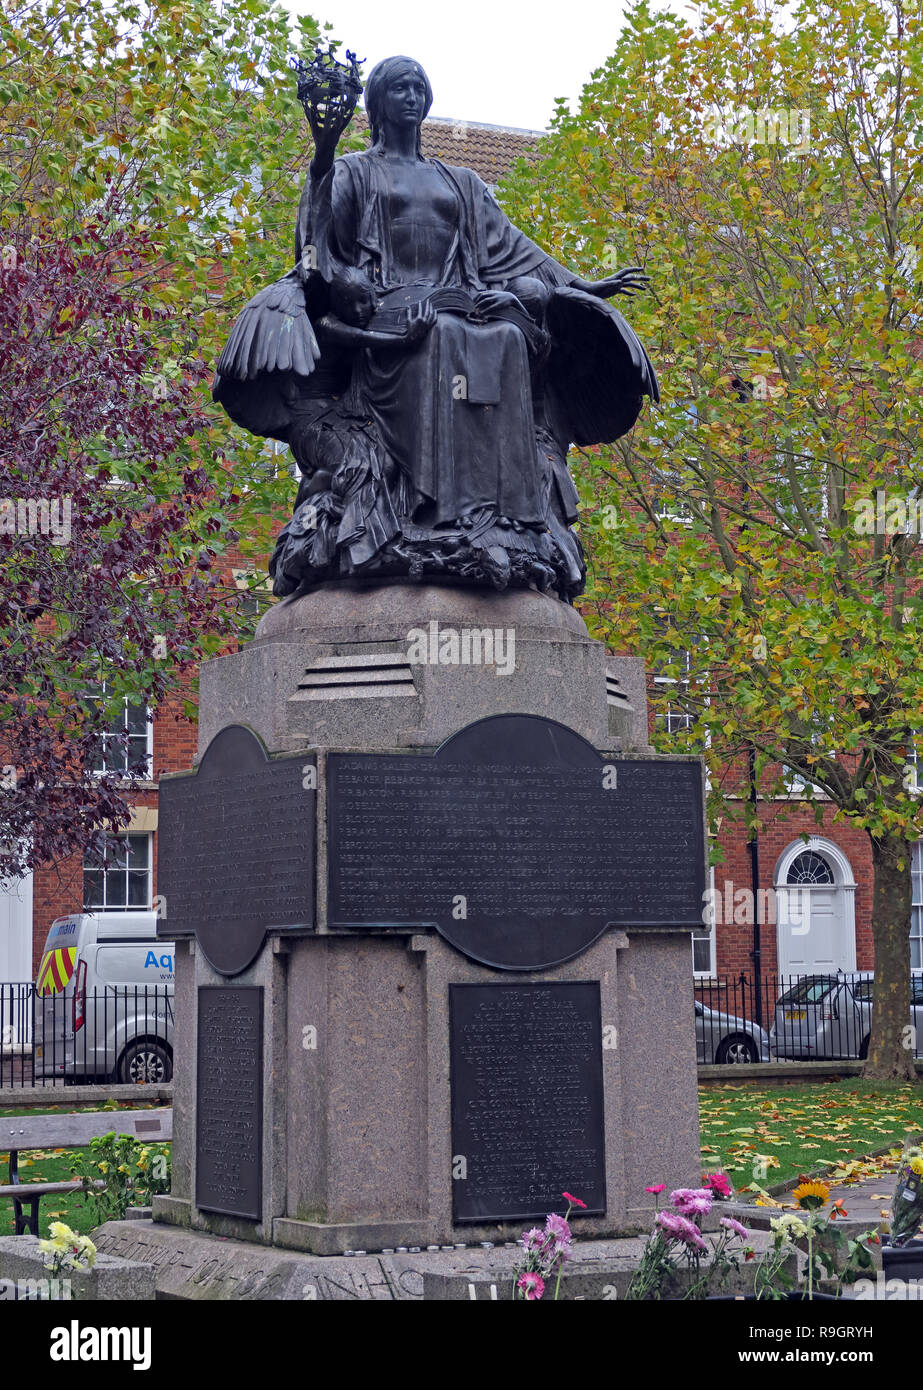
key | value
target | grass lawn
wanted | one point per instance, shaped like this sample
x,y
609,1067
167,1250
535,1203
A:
x,y
782,1131
51,1165
787,1129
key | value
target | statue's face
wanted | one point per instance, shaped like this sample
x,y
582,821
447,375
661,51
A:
x,y
405,98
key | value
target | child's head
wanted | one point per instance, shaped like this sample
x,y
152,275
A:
x,y
352,296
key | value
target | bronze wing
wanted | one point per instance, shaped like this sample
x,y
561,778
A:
x,y
272,342
598,370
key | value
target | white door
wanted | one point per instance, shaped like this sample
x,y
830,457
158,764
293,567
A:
x,y
15,961
815,941
816,930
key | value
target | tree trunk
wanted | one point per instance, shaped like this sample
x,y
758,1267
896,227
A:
x,y
891,1046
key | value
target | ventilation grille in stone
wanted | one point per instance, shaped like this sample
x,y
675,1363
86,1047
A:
x,y
376,676
615,695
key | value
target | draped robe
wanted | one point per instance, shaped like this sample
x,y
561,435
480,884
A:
x,y
455,412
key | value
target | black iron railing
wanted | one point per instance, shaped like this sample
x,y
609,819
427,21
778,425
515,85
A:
x,y
118,1033
816,1017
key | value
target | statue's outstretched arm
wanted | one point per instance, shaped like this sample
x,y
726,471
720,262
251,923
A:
x,y
628,282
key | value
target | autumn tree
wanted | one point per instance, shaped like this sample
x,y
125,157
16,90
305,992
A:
x,y
766,168
179,119
107,517
150,158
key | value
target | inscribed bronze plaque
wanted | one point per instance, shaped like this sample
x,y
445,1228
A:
x,y
235,854
516,840
527,1100
229,1100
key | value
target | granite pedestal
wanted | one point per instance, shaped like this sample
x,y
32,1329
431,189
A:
x,y
355,1144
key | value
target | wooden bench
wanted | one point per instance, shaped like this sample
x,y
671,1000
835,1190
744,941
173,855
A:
x,y
20,1133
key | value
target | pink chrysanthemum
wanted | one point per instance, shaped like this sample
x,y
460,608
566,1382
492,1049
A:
x,y
557,1227
532,1241
532,1286
657,1188
677,1227
574,1201
731,1225
691,1201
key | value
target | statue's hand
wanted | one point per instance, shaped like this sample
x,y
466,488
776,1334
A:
x,y
420,319
330,116
627,282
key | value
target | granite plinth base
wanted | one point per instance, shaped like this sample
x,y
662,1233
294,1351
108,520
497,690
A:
x,y
357,1132
24,1274
338,668
193,1266
355,1146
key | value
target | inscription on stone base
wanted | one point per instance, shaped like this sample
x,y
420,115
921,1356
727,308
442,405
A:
x,y
527,1100
229,1116
516,840
236,848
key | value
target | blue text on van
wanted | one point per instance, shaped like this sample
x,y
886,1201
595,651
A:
x,y
158,962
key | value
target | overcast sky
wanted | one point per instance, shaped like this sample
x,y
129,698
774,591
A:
x,y
499,61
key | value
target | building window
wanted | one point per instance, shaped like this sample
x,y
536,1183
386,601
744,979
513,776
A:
x,y
126,747
253,590
810,868
703,938
673,432
120,877
276,461
916,914
673,717
795,785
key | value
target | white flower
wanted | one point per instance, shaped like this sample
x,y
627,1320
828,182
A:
x,y
788,1227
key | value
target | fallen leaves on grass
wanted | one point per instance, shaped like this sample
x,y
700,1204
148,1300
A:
x,y
807,1125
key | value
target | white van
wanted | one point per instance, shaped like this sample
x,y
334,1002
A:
x,y
104,1000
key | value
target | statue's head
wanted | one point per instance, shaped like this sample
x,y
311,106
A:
x,y
398,90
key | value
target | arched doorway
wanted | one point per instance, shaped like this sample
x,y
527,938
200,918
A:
x,y
816,909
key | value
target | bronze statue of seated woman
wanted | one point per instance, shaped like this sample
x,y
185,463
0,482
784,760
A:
x,y
428,365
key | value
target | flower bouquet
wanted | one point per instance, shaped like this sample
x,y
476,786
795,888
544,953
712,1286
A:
x,y
831,1254
66,1249
672,1263
545,1253
907,1203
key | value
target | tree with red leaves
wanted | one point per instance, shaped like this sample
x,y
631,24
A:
x,y
109,522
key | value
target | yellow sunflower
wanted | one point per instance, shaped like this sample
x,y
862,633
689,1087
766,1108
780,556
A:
x,y
813,1194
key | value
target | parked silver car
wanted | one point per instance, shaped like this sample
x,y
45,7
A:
x,y
830,1016
723,1038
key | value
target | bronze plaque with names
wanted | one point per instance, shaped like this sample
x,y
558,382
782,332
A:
x,y
229,1101
527,1100
235,848
516,840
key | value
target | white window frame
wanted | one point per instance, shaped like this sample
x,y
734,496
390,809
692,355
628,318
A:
x,y
681,714
709,934
660,509
105,906
795,785
108,735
